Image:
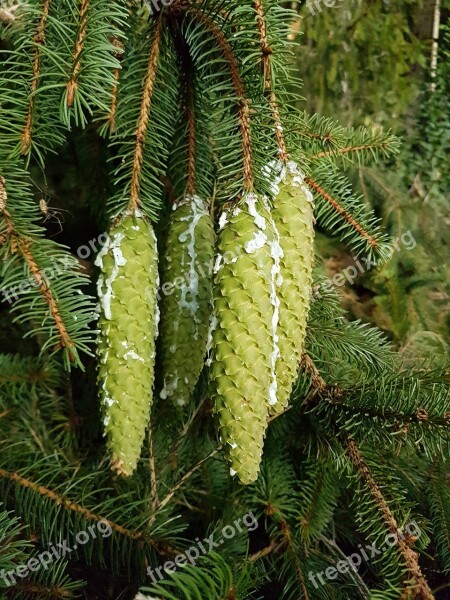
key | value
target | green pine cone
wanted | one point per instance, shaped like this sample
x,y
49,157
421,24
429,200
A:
x,y
186,298
243,333
128,324
294,219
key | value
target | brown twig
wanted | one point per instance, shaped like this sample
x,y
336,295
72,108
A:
x,y
144,117
112,111
79,45
153,480
286,530
185,478
43,592
274,545
243,102
24,245
185,59
266,52
4,210
39,40
345,150
347,216
190,117
410,557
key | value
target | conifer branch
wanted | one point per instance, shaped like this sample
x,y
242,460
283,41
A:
x,y
39,40
72,506
422,590
42,591
286,530
152,468
189,113
266,51
113,109
190,117
79,45
144,117
243,102
5,213
22,245
25,249
348,149
345,215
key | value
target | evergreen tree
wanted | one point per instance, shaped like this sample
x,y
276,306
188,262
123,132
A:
x,y
167,133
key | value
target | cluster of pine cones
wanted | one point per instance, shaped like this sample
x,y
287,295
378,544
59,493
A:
x,y
241,301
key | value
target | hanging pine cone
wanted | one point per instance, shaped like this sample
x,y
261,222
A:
x,y
294,218
186,297
244,341
127,290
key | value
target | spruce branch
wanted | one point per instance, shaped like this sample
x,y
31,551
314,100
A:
x,y
23,246
144,119
365,145
189,113
111,119
79,45
266,52
316,187
39,40
410,557
243,104
144,116
287,536
68,504
65,341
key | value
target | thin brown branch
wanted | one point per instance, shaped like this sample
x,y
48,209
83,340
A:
x,y
39,40
286,530
327,137
243,102
112,111
43,592
24,245
411,558
4,212
274,545
266,52
144,117
346,150
190,117
153,480
347,216
79,45
185,478
185,59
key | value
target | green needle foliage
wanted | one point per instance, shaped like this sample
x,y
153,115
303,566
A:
x,y
116,108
